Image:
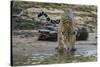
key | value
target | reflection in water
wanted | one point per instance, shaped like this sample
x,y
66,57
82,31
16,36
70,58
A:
x,y
51,58
79,55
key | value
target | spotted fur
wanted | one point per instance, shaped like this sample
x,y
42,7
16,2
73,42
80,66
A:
x,y
66,36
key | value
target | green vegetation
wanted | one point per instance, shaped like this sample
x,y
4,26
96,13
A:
x,y
21,5
26,24
19,10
